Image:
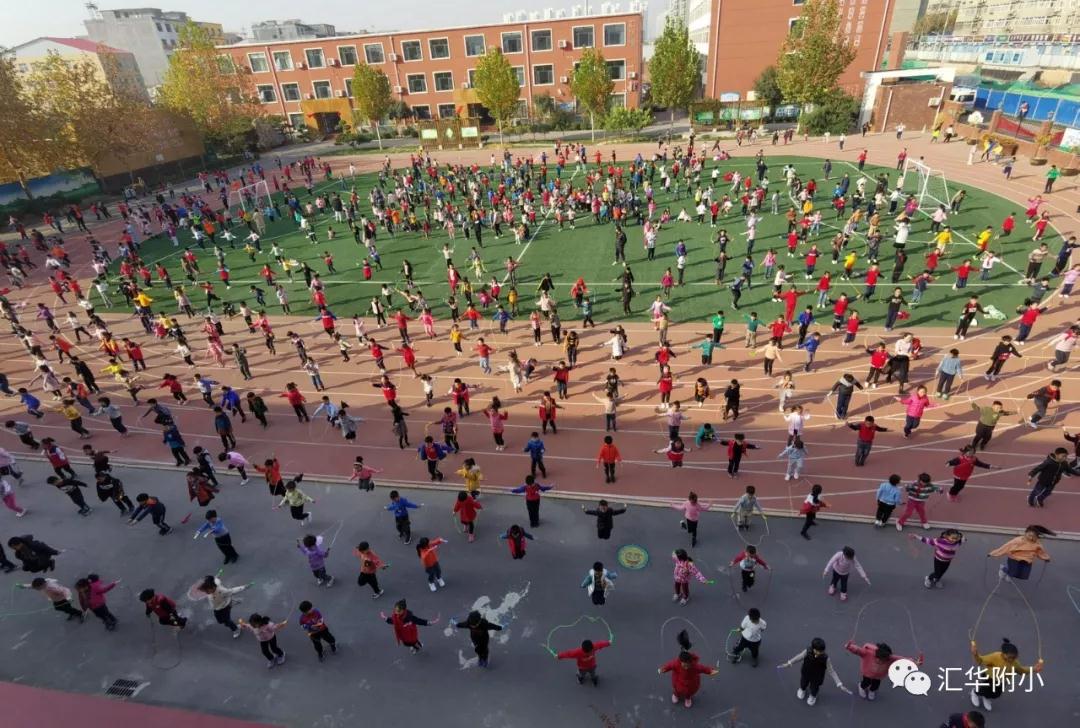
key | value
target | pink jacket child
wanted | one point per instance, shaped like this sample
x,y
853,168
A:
x,y
684,569
497,418
840,565
916,404
92,591
874,662
691,509
428,322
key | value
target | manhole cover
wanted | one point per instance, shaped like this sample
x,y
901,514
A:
x,y
633,557
125,688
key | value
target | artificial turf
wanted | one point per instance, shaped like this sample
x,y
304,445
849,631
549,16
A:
x,y
588,252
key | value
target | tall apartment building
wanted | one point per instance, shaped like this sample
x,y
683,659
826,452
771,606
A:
x,y
1011,17
269,30
114,66
746,37
310,81
150,34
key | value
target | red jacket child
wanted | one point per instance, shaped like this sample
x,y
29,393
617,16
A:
x,y
586,660
686,671
466,508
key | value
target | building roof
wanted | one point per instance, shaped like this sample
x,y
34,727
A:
x,y
539,24
80,44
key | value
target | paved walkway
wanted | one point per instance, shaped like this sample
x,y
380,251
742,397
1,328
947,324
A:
x,y
372,681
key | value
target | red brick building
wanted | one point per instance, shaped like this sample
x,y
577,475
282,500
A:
x,y
308,81
745,37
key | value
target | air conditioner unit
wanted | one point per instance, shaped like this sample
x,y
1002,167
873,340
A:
x,y
335,62
399,90
309,96
934,103
632,74
302,66
564,79
393,57
465,84
564,44
341,94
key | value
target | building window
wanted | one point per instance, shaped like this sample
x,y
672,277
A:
x,y
296,121
541,40
417,83
266,92
347,55
519,71
258,63
290,91
583,36
615,34
472,78
616,70
797,2
322,89
411,51
444,81
474,45
159,28
373,53
168,28
225,63
314,57
282,60
348,87
511,43
617,101
422,113
522,109
543,75
791,23
439,48
447,111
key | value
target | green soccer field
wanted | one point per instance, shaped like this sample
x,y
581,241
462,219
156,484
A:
x,y
588,251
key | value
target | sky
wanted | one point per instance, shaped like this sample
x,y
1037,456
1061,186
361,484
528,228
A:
x,y
64,17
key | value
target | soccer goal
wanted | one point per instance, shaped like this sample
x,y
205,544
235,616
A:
x,y
927,184
254,196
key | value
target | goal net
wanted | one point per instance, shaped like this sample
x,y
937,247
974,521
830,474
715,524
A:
x,y
927,184
254,196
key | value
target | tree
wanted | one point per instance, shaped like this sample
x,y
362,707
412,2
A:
x,y
497,87
835,114
767,88
544,105
814,54
935,23
28,133
206,86
675,68
103,116
591,85
371,92
624,119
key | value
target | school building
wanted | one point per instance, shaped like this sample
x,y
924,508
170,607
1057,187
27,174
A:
x,y
309,81
746,37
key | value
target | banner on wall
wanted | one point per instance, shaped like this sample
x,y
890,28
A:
x,y
1070,138
73,185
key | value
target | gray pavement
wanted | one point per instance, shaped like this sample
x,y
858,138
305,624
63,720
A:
x,y
371,681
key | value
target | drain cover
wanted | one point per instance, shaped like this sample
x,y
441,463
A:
x,y
125,688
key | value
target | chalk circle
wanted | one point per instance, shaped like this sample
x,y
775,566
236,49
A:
x,y
633,557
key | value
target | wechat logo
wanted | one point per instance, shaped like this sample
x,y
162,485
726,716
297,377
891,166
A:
x,y
906,673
